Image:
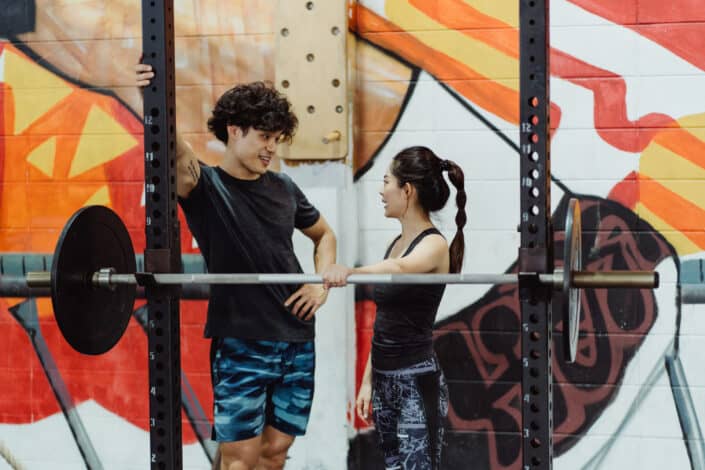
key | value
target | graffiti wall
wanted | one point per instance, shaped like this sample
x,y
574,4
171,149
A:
x,y
626,140
627,116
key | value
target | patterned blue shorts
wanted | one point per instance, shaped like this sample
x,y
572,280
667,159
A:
x,y
258,383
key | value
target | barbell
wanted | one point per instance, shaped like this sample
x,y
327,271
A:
x,y
93,280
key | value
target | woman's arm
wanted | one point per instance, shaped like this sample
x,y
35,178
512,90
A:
x,y
364,396
429,255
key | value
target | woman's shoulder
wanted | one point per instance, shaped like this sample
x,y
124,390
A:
x,y
432,236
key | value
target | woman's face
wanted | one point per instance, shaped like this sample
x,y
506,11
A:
x,y
394,198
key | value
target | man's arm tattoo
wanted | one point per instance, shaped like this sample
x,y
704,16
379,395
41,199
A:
x,y
192,169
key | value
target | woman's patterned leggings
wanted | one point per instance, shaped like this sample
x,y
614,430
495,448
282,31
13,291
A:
x,y
410,407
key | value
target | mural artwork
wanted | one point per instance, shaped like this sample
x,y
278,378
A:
x,y
627,118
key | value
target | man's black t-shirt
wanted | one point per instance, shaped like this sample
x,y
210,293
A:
x,y
245,226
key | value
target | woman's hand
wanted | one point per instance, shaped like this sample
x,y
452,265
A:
x,y
335,275
364,402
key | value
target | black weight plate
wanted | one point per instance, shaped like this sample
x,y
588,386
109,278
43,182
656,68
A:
x,y
572,261
92,319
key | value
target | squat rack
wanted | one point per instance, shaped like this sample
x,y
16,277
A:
x,y
536,245
162,254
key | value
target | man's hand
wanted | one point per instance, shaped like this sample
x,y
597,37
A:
x,y
145,74
307,300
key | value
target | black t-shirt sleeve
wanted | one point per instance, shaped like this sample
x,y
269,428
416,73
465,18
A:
x,y
306,215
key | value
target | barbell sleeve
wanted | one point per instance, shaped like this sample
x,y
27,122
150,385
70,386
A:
x,y
615,279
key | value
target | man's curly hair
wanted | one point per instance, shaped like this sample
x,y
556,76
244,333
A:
x,y
255,105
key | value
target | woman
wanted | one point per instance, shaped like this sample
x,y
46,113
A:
x,y
402,378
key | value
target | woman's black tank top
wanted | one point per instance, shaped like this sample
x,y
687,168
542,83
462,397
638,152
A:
x,y
403,329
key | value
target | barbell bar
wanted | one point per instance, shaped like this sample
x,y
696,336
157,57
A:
x,y
93,280
583,279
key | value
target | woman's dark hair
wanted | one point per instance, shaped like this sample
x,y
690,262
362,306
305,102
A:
x,y
258,105
421,167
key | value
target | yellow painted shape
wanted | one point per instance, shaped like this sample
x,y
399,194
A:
x,y
670,170
35,90
660,163
43,157
482,58
682,244
100,197
694,120
102,140
503,10
695,124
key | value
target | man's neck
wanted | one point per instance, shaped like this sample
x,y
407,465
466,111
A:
x,y
232,166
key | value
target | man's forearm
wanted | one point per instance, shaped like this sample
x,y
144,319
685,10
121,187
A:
x,y
324,251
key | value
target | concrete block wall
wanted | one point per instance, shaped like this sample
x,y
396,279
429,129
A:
x,y
627,112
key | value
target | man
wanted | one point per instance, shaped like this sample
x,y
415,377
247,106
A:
x,y
243,217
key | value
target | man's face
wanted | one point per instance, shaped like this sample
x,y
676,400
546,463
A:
x,y
254,149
